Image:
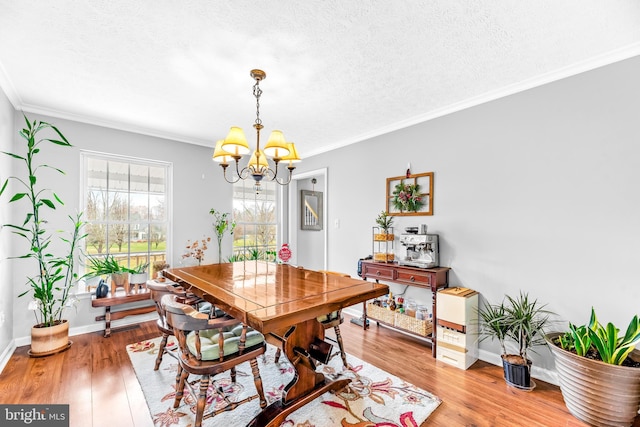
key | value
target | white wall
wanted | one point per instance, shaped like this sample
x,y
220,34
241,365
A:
x,y
6,288
197,183
535,192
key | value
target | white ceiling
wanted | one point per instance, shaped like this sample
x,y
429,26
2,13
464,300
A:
x,y
338,71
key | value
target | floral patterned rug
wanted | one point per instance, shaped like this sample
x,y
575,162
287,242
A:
x,y
374,398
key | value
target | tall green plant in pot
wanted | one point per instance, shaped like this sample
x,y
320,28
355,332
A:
x,y
55,269
516,320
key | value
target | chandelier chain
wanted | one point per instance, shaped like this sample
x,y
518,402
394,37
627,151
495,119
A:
x,y
257,92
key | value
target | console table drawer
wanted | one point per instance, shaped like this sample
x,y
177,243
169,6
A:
x,y
415,278
378,271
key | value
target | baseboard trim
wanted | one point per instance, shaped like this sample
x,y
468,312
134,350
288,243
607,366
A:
x,y
6,354
96,327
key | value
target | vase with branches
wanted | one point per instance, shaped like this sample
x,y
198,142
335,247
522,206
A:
x,y
221,225
196,249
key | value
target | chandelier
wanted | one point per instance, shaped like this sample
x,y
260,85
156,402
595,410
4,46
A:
x,y
235,145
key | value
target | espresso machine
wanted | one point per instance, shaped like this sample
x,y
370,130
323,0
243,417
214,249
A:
x,y
421,249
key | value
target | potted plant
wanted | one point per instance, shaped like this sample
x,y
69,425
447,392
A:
x,y
221,225
138,275
54,276
109,266
520,321
384,221
158,266
599,371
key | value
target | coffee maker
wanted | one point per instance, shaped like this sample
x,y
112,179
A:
x,y
421,248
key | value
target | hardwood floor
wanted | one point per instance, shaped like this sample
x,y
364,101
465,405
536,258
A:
x,y
96,379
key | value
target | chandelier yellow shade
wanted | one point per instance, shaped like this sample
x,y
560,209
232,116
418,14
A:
x,y
219,155
293,156
258,165
276,145
236,143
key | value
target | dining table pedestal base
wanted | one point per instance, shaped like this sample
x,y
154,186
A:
x,y
297,342
274,414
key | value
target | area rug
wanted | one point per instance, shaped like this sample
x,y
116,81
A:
x,y
374,398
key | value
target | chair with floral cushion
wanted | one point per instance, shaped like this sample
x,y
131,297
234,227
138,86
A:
x,y
208,347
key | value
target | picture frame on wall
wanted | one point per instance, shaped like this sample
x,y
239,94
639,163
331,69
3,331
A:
x,y
311,208
410,195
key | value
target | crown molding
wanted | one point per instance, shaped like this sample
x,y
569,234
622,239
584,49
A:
x,y
114,125
608,58
7,87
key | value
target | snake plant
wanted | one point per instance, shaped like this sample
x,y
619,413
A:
x,y
605,340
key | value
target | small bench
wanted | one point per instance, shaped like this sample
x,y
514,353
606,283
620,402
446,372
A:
x,y
121,297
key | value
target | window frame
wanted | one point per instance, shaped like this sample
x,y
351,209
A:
x,y
267,186
85,155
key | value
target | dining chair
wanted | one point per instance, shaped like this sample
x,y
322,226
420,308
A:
x,y
330,320
159,290
334,320
209,346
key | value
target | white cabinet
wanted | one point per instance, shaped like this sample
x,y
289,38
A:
x,y
457,327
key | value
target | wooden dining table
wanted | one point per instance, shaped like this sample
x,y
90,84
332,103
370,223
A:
x,y
283,302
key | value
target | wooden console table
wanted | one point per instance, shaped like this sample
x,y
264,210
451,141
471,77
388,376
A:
x,y
120,298
433,279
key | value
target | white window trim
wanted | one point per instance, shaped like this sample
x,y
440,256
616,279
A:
x,y
81,290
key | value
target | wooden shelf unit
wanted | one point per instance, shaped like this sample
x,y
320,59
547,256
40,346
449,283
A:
x,y
433,279
119,298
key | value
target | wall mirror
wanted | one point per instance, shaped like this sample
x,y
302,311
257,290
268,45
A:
x,y
310,210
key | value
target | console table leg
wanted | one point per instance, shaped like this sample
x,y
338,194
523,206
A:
x,y
107,318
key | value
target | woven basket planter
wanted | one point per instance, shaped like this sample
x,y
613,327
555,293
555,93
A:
x,y
595,392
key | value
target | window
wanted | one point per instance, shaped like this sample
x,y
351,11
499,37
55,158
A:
x,y
256,221
126,207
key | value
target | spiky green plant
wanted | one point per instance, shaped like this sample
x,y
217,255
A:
x,y
101,266
493,323
526,320
518,319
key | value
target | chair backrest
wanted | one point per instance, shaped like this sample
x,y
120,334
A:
x,y
221,336
159,290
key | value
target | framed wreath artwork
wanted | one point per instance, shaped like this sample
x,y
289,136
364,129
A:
x,y
410,194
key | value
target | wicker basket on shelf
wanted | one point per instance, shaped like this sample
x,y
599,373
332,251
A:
x,y
411,324
380,313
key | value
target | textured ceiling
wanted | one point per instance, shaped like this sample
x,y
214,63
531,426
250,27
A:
x,y
338,71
